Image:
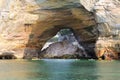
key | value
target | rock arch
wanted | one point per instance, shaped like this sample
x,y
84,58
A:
x,y
27,23
78,19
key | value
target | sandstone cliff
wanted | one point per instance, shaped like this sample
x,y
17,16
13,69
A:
x,y
26,25
107,13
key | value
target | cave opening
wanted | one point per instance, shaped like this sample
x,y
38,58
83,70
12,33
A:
x,y
62,35
7,55
63,45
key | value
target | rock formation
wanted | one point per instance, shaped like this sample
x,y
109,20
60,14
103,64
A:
x,y
62,49
25,25
65,46
107,13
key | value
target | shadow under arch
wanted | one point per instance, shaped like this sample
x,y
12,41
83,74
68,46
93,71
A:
x,y
33,49
77,18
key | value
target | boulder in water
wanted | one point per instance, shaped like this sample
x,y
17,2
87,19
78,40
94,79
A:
x,y
62,50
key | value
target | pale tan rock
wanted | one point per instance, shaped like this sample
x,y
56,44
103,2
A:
x,y
31,23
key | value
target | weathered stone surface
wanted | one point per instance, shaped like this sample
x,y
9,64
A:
x,y
89,4
28,24
107,13
62,49
108,49
7,55
71,48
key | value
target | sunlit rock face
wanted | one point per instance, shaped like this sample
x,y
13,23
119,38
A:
x,y
27,24
107,16
107,13
14,17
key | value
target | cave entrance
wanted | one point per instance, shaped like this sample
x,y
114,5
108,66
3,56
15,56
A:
x,y
7,55
63,45
62,35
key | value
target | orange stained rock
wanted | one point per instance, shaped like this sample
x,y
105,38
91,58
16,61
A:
x,y
108,55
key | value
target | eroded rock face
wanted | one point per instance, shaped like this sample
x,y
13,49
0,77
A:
x,y
7,55
107,13
26,25
62,49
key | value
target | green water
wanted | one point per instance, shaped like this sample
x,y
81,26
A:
x,y
59,70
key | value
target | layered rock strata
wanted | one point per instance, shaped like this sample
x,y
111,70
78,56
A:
x,y
107,13
25,25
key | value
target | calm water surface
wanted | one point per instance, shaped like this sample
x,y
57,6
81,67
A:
x,y
59,70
